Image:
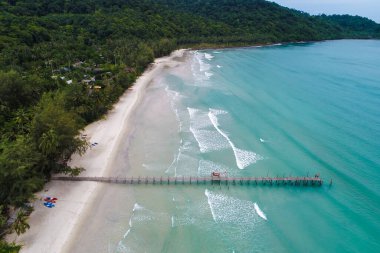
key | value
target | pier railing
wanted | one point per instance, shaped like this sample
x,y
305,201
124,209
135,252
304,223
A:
x,y
293,181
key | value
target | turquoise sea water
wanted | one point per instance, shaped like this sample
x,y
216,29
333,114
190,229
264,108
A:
x,y
296,109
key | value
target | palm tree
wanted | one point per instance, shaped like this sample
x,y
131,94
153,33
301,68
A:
x,y
20,224
21,120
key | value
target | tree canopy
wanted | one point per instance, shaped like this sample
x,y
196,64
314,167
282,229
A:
x,y
63,63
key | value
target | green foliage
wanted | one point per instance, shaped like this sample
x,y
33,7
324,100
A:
x,y
63,63
20,225
54,129
355,27
72,171
16,91
9,248
19,171
144,56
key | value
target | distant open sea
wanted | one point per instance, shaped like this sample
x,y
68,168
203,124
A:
x,y
297,109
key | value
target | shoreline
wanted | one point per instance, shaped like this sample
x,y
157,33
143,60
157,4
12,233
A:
x,y
222,47
205,46
51,230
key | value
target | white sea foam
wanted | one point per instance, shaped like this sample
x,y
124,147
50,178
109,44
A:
x,y
218,66
243,157
172,222
198,69
137,207
126,233
173,163
122,248
209,56
208,140
209,200
175,97
259,211
262,140
202,65
226,209
130,222
208,74
198,119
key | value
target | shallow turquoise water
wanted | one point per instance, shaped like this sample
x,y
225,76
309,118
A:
x,y
281,110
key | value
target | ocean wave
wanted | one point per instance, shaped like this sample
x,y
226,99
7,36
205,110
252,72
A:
x,y
208,140
259,211
208,74
126,233
218,66
198,69
203,66
174,164
122,248
243,158
198,119
209,56
137,207
226,209
175,98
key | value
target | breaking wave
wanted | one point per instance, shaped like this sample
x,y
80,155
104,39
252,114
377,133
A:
x,y
226,209
243,158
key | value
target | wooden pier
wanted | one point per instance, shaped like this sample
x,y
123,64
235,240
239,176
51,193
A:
x,y
213,180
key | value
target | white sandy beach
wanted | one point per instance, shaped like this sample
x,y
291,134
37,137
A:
x,y
52,229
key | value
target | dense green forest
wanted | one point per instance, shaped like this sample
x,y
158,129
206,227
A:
x,y
63,63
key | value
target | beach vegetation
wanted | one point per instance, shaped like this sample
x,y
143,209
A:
x,y
9,247
20,225
63,64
